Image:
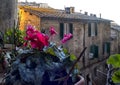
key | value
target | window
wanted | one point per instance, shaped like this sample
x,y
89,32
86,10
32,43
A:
x,y
93,52
65,28
61,30
106,48
92,29
71,28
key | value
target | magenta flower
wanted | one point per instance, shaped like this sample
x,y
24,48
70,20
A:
x,y
66,37
37,39
52,31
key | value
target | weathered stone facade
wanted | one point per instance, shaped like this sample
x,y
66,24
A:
x,y
92,67
115,36
26,18
8,14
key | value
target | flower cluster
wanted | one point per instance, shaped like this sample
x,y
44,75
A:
x,y
66,37
35,38
52,31
39,40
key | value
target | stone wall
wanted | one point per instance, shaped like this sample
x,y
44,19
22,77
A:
x,y
114,41
26,18
8,14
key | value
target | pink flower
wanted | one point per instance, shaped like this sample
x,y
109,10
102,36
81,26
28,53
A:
x,y
66,37
52,31
30,28
37,39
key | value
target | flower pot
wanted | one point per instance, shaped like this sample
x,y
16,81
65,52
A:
x,y
81,81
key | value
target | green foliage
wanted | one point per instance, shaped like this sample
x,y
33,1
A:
x,y
65,50
14,36
114,60
116,76
9,37
73,57
50,51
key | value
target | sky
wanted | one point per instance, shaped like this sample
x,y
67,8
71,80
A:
x,y
109,9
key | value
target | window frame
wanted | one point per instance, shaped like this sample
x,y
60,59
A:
x,y
65,29
92,29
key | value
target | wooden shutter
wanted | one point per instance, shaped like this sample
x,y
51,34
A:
x,y
61,30
94,50
71,28
108,48
96,29
103,48
89,29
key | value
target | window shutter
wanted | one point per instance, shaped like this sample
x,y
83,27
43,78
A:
x,y
71,28
61,30
108,47
92,50
96,52
103,48
89,29
96,28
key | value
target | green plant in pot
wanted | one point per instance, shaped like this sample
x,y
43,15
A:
x,y
44,63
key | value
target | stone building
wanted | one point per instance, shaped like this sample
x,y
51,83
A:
x,y
88,31
8,14
115,36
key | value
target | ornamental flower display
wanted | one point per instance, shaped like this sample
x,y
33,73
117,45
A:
x,y
66,37
36,39
52,31
43,62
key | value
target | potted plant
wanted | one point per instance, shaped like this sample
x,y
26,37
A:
x,y
44,63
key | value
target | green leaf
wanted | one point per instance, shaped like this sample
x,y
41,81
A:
x,y
65,50
114,60
116,77
73,57
50,51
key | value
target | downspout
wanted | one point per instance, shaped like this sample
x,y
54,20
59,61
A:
x,y
83,59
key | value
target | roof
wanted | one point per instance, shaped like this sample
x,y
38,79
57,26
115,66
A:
x,y
54,13
115,27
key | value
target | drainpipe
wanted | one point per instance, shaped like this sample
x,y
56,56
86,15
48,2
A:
x,y
83,59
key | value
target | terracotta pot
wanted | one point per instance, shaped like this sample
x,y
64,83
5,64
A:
x,y
81,81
